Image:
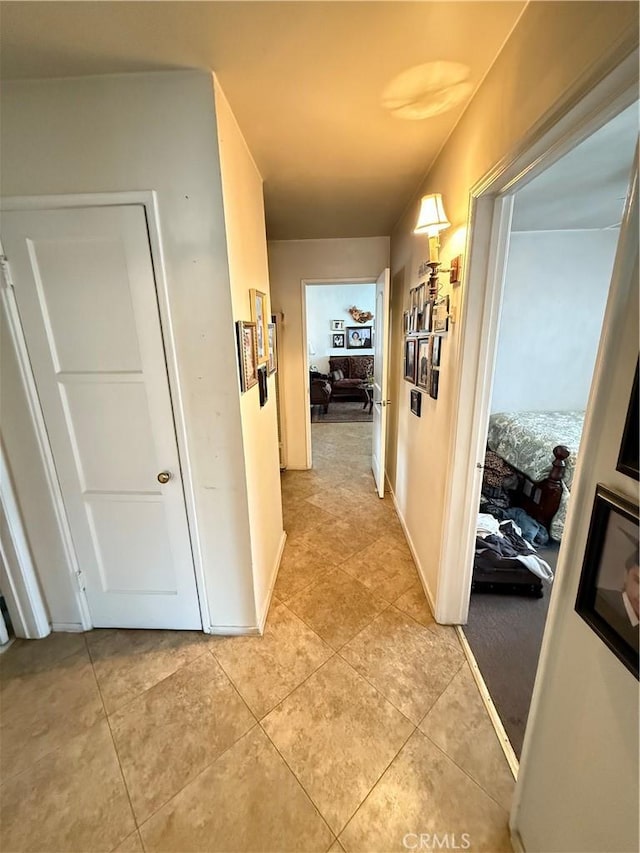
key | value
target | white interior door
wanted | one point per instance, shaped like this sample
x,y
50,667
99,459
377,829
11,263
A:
x,y
380,371
85,291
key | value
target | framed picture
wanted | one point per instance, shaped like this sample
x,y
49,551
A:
x,y
416,402
337,325
260,317
455,270
337,340
262,384
425,322
440,315
359,337
423,363
407,322
247,354
410,360
436,350
434,382
273,352
628,456
607,597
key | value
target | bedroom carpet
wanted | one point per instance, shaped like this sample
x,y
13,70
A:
x,y
505,634
340,412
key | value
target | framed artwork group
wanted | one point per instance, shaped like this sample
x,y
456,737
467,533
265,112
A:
x,y
257,345
422,362
351,337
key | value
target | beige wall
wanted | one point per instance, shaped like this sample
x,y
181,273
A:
x,y
291,261
150,132
550,49
247,250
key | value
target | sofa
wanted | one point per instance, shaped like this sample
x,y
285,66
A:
x,y
346,375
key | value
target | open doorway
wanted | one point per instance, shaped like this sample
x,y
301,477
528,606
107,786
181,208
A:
x,y
561,245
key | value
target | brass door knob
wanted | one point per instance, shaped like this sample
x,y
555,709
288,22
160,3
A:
x,y
164,477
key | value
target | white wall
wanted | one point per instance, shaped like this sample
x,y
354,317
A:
x,y
327,302
248,267
556,288
153,132
578,782
291,261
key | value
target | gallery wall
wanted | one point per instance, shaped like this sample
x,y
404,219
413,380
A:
x,y
556,287
328,302
291,262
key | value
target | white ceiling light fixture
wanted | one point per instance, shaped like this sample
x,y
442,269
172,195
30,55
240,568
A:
x,y
427,90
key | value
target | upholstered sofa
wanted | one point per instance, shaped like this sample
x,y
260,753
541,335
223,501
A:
x,y
347,373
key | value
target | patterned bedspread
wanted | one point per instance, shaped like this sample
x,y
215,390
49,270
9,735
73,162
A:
x,y
526,440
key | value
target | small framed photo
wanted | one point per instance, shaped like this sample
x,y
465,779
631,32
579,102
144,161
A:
x,y
337,325
440,315
247,354
337,340
416,402
455,270
407,322
260,316
436,350
359,337
410,360
434,382
607,597
628,456
422,379
425,322
273,352
263,385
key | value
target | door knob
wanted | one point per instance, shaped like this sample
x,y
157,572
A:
x,y
164,477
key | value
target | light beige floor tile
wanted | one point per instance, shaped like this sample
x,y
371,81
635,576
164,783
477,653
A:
x,y
414,603
248,800
74,799
127,663
26,657
337,607
335,498
300,567
384,567
459,724
338,735
266,669
37,708
336,847
423,791
131,844
170,733
301,517
404,661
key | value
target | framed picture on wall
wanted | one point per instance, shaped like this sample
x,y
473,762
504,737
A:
x,y
628,457
416,402
260,316
273,353
262,384
440,315
247,354
359,337
337,325
410,360
422,379
607,597
337,340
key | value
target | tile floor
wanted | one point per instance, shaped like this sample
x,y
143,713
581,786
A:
x,y
354,722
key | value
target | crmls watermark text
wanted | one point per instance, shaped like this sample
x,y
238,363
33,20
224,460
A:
x,y
435,841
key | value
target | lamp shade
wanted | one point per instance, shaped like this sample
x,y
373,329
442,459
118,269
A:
x,y
432,217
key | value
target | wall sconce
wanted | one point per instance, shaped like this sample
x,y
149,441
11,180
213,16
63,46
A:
x,y
432,220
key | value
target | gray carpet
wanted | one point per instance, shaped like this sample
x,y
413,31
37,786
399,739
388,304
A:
x,y
341,411
505,634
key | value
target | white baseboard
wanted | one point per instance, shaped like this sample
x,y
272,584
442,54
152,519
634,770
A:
x,y
272,583
414,553
234,630
505,743
68,627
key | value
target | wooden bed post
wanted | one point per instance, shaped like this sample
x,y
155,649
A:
x,y
541,500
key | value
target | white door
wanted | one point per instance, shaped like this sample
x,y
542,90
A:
x,y
380,370
85,290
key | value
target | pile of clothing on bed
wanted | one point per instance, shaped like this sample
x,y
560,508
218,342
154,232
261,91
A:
x,y
506,538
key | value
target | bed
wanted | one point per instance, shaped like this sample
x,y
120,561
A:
x,y
542,447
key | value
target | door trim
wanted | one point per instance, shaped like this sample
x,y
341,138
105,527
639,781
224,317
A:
x,y
587,108
149,201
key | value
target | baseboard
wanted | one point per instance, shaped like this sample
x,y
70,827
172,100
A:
x,y
234,631
272,583
516,842
414,553
68,627
505,743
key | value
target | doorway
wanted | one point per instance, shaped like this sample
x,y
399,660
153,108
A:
x,y
85,291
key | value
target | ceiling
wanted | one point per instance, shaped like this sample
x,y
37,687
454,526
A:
x,y
304,79
587,187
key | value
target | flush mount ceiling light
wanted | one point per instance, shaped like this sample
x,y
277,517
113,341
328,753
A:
x,y
427,90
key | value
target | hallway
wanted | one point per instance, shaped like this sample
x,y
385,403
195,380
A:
x,y
353,723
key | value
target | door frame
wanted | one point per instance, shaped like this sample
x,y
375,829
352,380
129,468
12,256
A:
x,y
149,201
304,283
585,109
